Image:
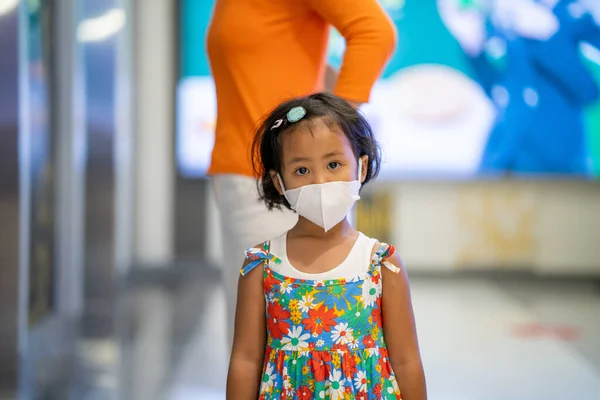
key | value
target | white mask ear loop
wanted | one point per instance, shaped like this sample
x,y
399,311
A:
x,y
281,183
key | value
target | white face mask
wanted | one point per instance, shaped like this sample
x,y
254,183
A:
x,y
324,204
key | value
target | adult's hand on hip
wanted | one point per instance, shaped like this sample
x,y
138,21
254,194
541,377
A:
x,y
331,76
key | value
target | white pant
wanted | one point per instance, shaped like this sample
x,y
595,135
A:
x,y
245,222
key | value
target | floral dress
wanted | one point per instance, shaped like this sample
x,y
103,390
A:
x,y
325,338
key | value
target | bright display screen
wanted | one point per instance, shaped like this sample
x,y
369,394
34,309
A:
x,y
474,89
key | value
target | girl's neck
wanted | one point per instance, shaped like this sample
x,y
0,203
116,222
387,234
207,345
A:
x,y
305,228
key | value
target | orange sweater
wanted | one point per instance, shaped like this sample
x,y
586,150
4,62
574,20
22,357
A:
x,y
263,52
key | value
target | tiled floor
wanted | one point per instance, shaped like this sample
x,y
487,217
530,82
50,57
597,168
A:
x,y
480,340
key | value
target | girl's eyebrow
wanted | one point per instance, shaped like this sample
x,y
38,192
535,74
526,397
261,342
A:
x,y
305,159
333,154
299,159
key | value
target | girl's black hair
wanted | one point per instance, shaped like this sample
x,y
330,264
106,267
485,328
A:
x,y
335,112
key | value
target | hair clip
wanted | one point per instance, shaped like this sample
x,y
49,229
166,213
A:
x,y
277,124
296,114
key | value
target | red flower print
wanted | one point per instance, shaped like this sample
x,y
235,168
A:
x,y
319,320
376,314
375,278
276,317
311,346
280,363
368,342
349,365
320,365
361,396
304,393
341,347
269,282
384,362
377,389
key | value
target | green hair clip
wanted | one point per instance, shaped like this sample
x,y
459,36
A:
x,y
296,114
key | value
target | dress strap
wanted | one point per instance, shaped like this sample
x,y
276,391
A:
x,y
258,256
383,255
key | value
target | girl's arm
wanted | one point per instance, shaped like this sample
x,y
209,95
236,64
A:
x,y
245,366
400,333
370,42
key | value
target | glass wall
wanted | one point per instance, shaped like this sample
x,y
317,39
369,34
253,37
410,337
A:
x,y
40,156
9,197
99,71
69,69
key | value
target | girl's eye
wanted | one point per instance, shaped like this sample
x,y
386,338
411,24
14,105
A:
x,y
302,171
333,165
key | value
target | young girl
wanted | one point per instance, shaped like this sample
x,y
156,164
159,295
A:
x,y
339,320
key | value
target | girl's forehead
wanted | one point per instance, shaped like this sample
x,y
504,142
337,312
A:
x,y
314,135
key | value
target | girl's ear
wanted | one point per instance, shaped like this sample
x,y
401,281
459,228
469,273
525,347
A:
x,y
365,167
276,182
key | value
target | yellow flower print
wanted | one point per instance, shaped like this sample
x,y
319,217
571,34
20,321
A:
x,y
375,334
296,316
378,368
305,370
337,362
294,303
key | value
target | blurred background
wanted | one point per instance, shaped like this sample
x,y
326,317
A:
x,y
109,237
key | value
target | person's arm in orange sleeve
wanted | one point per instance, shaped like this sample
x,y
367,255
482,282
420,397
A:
x,y
370,42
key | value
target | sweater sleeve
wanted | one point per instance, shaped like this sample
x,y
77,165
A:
x,y
370,42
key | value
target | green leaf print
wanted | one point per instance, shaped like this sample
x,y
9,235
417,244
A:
x,y
284,301
358,318
304,290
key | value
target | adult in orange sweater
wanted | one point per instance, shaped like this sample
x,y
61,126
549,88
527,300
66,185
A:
x,y
261,53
